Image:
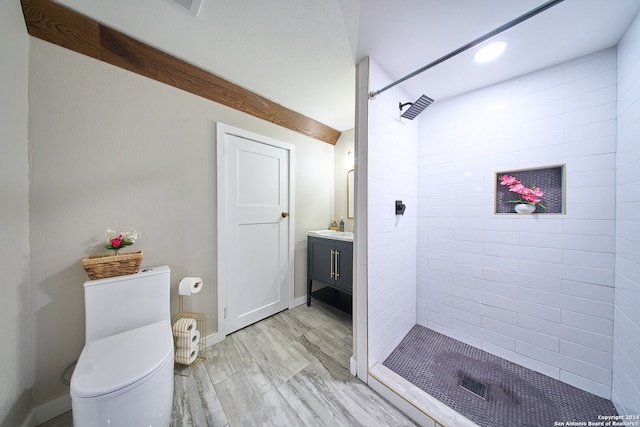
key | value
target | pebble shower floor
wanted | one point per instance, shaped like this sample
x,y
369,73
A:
x,y
515,395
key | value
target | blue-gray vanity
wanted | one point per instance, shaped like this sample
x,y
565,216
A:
x,y
330,261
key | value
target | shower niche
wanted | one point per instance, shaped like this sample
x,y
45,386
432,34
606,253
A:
x,y
548,180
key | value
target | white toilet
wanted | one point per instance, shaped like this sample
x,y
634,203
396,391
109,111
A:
x,y
124,376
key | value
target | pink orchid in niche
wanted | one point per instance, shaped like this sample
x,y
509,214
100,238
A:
x,y
527,195
509,180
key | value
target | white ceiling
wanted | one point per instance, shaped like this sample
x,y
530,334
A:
x,y
302,53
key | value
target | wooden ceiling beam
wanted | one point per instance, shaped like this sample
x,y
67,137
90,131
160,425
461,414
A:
x,y
62,26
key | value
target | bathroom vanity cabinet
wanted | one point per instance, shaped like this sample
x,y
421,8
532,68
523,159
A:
x,y
329,261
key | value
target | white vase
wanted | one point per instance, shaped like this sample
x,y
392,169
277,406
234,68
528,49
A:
x,y
525,209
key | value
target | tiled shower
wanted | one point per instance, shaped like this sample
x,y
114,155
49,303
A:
x,y
557,293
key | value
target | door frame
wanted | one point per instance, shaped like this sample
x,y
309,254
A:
x,y
223,129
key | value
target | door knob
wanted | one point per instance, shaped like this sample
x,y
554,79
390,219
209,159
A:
x,y
285,214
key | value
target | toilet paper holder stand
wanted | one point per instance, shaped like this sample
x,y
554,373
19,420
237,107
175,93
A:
x,y
201,325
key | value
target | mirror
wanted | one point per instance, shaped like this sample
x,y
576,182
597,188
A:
x,y
350,193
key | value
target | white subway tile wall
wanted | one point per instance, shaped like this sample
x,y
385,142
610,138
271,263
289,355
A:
x,y
392,239
537,290
626,342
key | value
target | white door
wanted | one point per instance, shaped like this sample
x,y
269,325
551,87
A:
x,y
256,230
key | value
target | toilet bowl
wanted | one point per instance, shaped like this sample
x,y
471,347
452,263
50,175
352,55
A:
x,y
124,375
125,379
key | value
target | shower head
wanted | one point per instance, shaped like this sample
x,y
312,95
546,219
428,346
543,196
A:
x,y
416,107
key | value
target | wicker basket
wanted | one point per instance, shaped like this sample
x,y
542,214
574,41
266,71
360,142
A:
x,y
102,266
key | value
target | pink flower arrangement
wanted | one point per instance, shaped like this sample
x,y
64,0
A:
x,y
527,195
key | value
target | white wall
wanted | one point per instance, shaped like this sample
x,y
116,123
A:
x,y
537,290
113,149
392,175
15,355
626,342
361,243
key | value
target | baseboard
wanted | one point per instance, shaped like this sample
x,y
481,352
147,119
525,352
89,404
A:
x,y
298,301
353,366
29,420
214,338
48,410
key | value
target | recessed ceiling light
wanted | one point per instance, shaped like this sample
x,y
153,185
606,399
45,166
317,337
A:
x,y
490,52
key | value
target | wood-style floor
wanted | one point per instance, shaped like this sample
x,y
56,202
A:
x,y
291,369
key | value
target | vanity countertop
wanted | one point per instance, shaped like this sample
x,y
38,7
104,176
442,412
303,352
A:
x,y
332,234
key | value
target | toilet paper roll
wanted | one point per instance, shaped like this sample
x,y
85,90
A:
x,y
184,326
190,285
188,341
186,356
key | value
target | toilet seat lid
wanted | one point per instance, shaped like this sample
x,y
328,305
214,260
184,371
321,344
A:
x,y
113,363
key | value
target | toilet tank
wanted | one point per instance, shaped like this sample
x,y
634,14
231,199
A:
x,y
117,304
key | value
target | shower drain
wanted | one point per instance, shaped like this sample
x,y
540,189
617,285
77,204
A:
x,y
474,386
